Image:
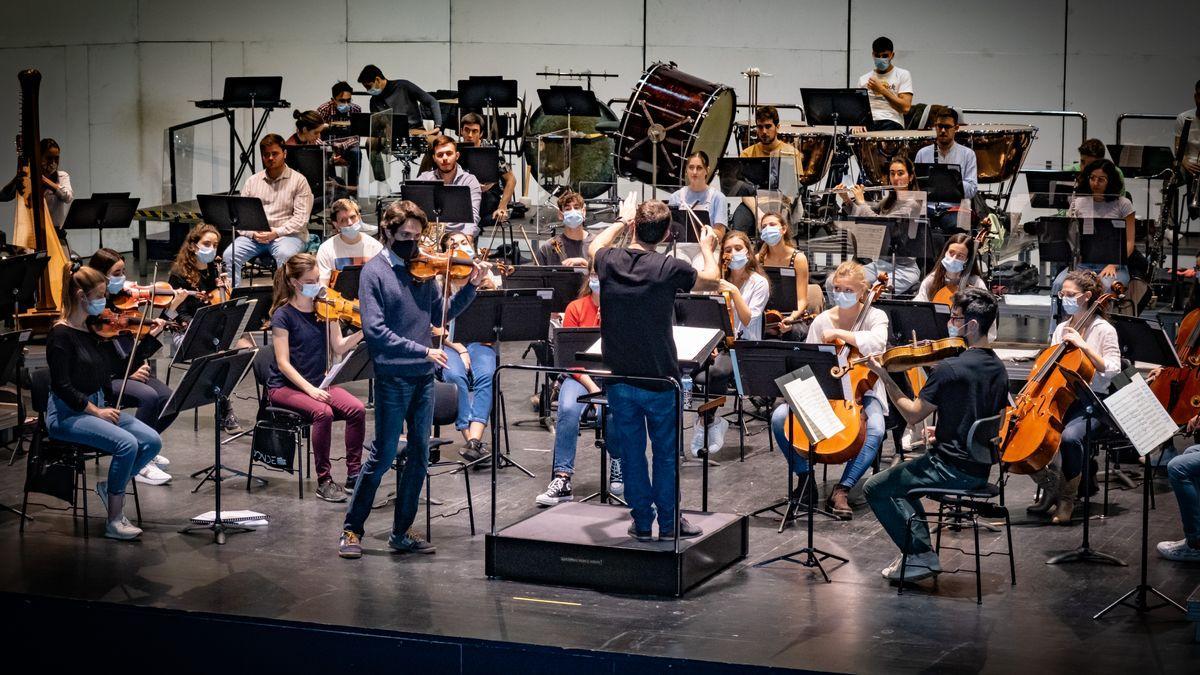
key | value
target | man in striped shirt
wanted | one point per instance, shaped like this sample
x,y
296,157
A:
x,y
287,200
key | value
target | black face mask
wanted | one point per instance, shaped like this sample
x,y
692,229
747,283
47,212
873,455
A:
x,y
405,249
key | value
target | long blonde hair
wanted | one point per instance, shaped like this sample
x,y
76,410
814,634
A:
x,y
295,267
83,279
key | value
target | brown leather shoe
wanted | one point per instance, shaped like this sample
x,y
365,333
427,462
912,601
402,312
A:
x,y
839,503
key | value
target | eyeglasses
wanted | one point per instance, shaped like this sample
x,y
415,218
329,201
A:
x,y
943,127
960,317
1064,295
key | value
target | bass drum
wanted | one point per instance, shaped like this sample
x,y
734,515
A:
x,y
678,114
1000,149
591,160
875,149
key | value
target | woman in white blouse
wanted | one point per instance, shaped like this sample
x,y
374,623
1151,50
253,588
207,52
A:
x,y
746,290
1098,340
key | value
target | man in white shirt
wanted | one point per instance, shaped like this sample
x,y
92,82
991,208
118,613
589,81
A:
x,y
349,246
446,169
1191,163
287,200
944,215
889,88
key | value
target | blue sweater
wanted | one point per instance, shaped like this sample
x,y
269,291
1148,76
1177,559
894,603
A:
x,y
397,313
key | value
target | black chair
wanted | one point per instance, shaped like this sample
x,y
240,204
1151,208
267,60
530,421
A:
x,y
272,419
956,507
65,453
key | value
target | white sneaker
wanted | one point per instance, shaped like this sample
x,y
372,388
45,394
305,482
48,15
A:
x,y
697,438
1178,551
152,475
102,492
616,478
906,439
121,529
716,434
892,571
160,461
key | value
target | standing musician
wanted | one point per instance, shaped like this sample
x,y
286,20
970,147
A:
x,y
838,323
570,245
701,196
349,246
778,249
889,88
897,203
144,390
960,389
582,312
397,311
945,150
1105,199
639,285
1097,340
402,97
444,151
82,367
1190,163
287,200
746,292
495,199
302,345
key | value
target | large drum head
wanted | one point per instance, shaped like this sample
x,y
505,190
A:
x,y
815,148
875,149
1000,149
715,126
591,160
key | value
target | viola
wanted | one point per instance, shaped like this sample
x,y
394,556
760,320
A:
x,y
1032,427
334,306
159,294
428,265
916,354
1178,389
109,324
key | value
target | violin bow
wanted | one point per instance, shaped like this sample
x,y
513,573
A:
x,y
532,251
137,337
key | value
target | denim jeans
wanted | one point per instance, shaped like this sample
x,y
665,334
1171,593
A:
x,y
474,389
634,412
131,443
886,493
1184,472
150,397
876,428
400,403
566,426
244,248
1071,447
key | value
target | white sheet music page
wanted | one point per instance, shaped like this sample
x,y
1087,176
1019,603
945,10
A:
x,y
807,399
1141,416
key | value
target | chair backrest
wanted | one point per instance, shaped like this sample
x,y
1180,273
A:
x,y
983,440
826,253
39,389
445,403
262,369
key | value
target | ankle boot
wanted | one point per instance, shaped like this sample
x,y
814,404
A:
x,y
838,503
1049,480
1066,501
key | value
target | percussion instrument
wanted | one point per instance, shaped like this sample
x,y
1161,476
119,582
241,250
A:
x,y
1000,149
786,131
591,160
669,116
875,149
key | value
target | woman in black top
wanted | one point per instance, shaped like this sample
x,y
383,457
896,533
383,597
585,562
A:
x,y
82,368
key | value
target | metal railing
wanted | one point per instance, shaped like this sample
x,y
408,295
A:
x,y
1083,134
1138,116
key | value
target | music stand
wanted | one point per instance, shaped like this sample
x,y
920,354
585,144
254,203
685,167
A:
x,y
568,344
212,379
836,107
571,101
1101,241
487,93
483,162
508,315
702,310
1057,240
943,182
1141,161
348,281
744,176
263,296
312,162
783,288
1050,189
213,329
809,555
234,213
19,275
682,231
245,92
12,361
908,319
443,203
564,281
1144,340
100,213
358,367
110,195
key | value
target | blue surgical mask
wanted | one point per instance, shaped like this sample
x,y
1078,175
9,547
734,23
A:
x,y
572,218
468,249
116,284
594,285
771,235
1070,305
738,260
374,91
845,299
952,330
351,230
310,290
343,107
94,307
953,265
206,255
882,64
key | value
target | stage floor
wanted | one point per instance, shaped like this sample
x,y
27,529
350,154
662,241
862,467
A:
x,y
781,616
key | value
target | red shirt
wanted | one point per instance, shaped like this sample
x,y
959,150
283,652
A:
x,y
582,313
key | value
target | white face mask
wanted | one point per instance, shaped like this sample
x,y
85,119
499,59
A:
x,y
573,218
1070,305
594,285
953,265
771,235
845,299
738,260
351,231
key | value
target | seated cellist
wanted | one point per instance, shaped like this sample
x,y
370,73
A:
x,y
869,336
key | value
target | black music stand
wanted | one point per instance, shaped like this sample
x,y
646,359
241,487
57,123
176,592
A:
x,y
744,176
943,182
483,162
564,281
259,318
213,329
443,203
19,275
347,281
702,310
358,367
212,379
1058,240
100,213
487,93
1141,161
570,101
783,289
234,213
836,107
510,315
12,361
908,319
809,555
682,230
1050,189
1104,244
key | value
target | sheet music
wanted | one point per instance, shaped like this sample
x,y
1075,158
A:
x,y
807,400
335,369
1139,414
868,237
690,342
1131,156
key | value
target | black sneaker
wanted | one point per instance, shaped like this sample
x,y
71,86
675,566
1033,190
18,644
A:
x,y
474,453
330,491
686,531
557,492
351,484
640,535
231,423
411,542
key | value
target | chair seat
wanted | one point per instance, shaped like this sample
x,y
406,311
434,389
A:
x,y
285,415
988,491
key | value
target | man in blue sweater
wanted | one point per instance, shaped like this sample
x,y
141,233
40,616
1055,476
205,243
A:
x,y
397,313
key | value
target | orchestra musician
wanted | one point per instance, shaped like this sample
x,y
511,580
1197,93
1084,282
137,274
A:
x,y
1184,473
82,369
1098,341
349,246
957,252
302,341
569,246
945,150
1191,164
778,249
889,88
849,291
287,200
495,198
746,292
336,113
639,285
701,196
766,125
444,151
401,97
897,203
582,312
55,183
960,389
1105,199
397,312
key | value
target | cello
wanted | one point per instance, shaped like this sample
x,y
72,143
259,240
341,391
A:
x,y
1178,389
846,444
1032,427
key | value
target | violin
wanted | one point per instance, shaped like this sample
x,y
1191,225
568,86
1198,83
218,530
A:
x,y
846,444
333,306
221,293
774,321
109,324
916,354
454,263
1178,389
1032,427
159,294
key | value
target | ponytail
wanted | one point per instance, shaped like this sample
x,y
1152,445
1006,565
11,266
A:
x,y
83,279
295,267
